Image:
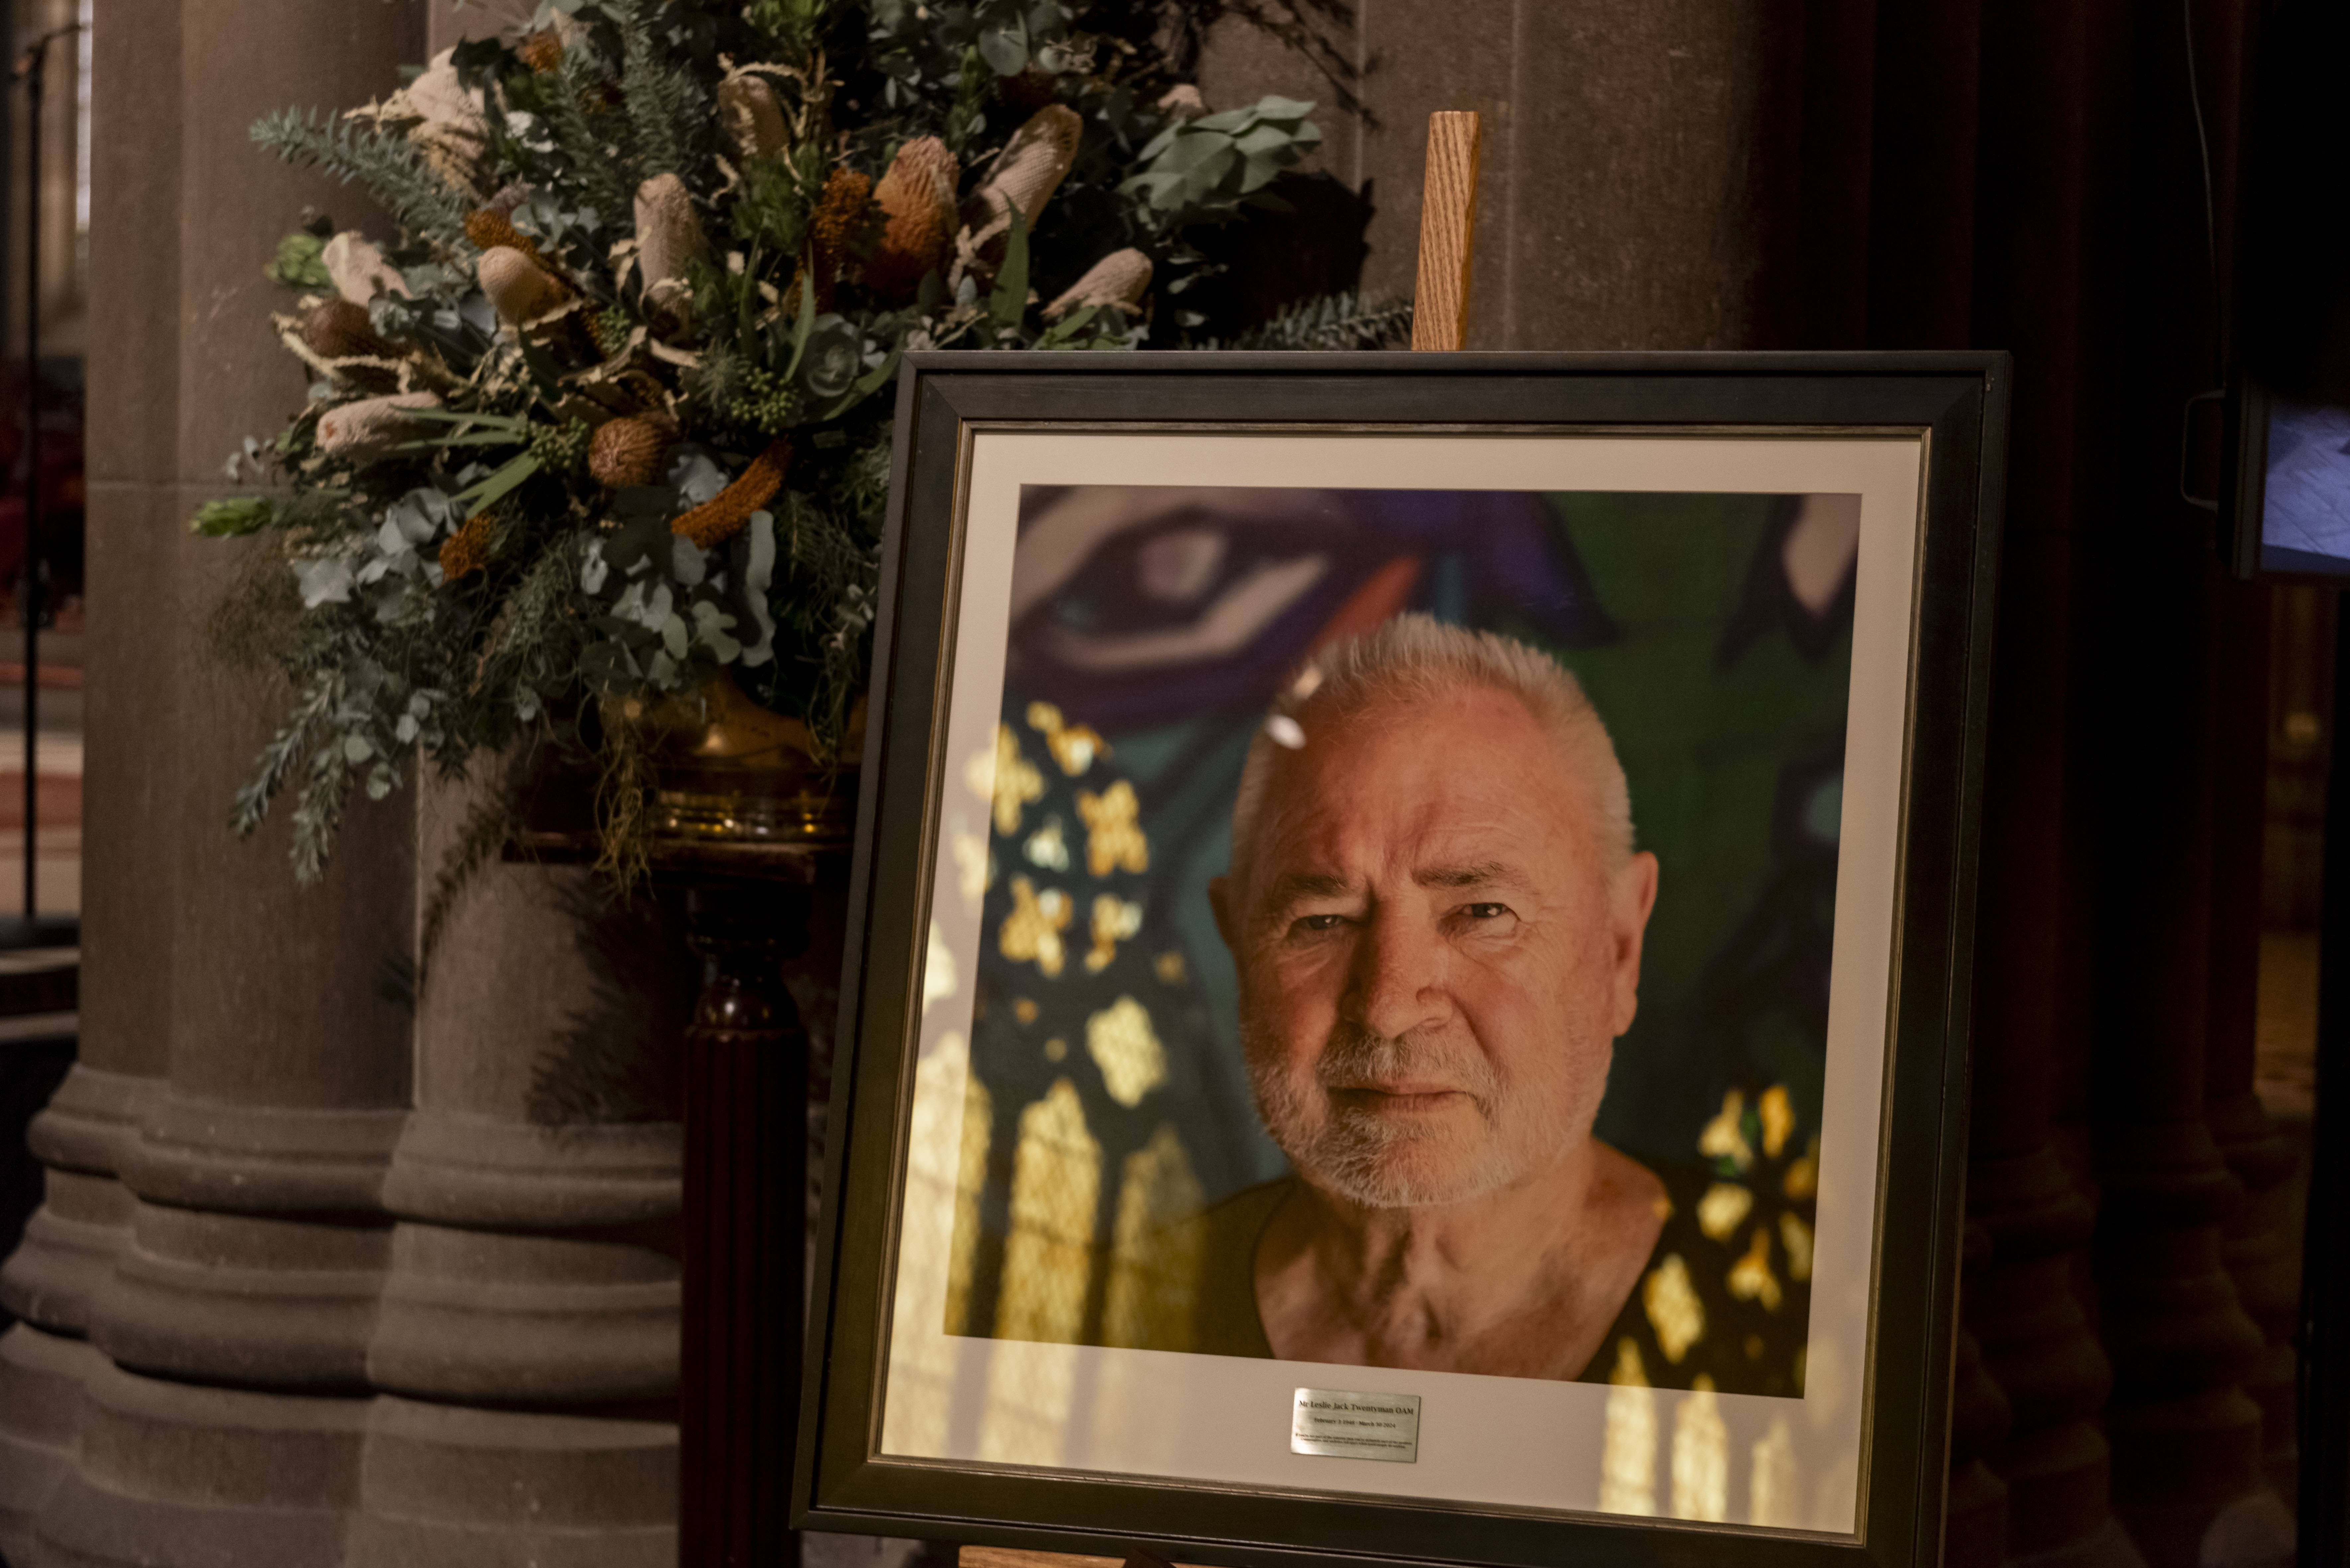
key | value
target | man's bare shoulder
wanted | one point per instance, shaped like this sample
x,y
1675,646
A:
x,y
1628,1208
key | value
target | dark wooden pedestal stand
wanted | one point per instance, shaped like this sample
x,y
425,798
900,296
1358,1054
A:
x,y
744,1229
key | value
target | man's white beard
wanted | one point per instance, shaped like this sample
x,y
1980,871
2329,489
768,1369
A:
x,y
1396,1163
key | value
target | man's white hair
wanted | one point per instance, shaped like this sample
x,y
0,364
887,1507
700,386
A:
x,y
1419,658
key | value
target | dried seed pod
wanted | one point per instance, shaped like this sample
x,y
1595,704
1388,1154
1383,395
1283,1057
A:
x,y
542,51
752,115
367,428
1119,279
339,329
726,514
358,269
669,236
519,287
1027,174
917,195
625,452
1183,102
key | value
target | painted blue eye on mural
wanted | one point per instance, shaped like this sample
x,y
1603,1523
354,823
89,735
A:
x,y
1153,630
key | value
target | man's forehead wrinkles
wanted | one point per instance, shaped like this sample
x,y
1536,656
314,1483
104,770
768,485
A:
x,y
1470,873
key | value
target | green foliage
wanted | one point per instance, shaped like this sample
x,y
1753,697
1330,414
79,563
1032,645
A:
x,y
383,163
231,519
1333,322
462,585
300,262
1203,170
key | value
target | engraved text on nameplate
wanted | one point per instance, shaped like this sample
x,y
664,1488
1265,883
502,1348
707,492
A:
x,y
1356,1425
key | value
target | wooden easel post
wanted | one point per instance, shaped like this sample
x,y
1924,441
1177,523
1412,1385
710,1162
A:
x,y
1448,231
1439,321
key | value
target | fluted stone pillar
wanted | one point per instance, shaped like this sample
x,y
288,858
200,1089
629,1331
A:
x,y
130,872
529,1322
214,1226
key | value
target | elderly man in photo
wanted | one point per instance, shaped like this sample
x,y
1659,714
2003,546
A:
x,y
1436,911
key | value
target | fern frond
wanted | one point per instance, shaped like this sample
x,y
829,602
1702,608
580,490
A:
x,y
1330,323
666,106
381,162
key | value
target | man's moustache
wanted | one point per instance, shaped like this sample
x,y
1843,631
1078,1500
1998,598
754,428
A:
x,y
1358,1058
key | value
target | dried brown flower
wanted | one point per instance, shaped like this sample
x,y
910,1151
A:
x,y
917,196
542,51
339,329
625,452
489,227
519,287
468,549
726,514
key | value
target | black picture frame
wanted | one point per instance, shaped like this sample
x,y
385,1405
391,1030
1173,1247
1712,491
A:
x,y
1958,400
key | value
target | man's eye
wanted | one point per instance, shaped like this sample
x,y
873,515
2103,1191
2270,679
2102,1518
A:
x,y
1317,923
1486,911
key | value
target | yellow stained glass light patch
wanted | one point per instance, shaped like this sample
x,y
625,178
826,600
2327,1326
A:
x,y
1778,1120
1074,747
1723,1210
1802,1178
1013,781
1169,966
1751,1279
1673,1308
1115,920
1032,931
1114,836
1123,1045
1723,1138
1796,1237
1047,847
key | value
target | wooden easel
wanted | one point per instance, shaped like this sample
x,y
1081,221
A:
x,y
1439,323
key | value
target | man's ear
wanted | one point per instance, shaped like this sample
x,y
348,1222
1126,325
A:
x,y
1220,899
1631,895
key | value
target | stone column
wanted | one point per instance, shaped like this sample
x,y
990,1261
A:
x,y
528,1337
223,1418
130,872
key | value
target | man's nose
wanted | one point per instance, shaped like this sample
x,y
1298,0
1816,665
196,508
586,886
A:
x,y
1399,974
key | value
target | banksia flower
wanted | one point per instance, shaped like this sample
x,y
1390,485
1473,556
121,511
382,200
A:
x,y
833,228
339,329
753,117
726,514
1119,279
1027,174
366,429
467,549
489,228
625,452
358,269
917,196
542,51
669,236
520,289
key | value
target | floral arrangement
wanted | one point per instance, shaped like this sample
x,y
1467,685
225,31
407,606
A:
x,y
604,416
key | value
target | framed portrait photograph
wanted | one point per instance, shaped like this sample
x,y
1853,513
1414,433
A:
x,y
1409,957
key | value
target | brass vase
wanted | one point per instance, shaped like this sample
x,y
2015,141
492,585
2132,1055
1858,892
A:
x,y
730,772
